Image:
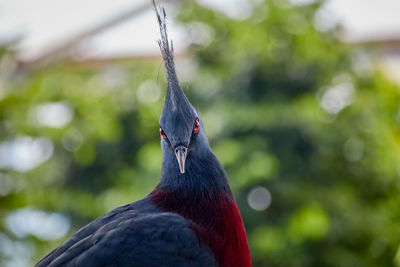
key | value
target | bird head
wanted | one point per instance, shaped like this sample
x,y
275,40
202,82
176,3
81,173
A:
x,y
180,124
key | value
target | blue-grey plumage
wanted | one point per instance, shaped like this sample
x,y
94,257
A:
x,y
178,118
137,234
189,219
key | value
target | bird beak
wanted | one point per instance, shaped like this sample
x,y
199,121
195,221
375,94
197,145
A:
x,y
181,153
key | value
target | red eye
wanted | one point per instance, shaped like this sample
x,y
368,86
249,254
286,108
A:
x,y
162,133
196,127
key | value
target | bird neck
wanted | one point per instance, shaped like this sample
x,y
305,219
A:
x,y
203,172
202,195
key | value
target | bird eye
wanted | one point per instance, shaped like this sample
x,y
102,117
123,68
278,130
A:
x,y
163,134
196,127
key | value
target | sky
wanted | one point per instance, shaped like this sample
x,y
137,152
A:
x,y
42,24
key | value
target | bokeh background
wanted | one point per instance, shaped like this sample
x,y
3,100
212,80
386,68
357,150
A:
x,y
300,100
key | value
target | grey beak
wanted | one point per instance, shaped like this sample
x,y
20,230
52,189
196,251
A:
x,y
181,153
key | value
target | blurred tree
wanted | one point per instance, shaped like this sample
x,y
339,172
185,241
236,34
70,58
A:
x,y
302,126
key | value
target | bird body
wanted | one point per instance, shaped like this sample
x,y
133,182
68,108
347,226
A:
x,y
182,225
136,234
189,219
203,197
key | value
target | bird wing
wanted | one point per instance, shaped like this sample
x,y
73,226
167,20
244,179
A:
x,y
127,237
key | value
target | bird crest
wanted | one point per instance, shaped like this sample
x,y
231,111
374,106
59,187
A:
x,y
175,96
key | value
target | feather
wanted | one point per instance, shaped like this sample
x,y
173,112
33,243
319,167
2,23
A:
x,y
166,46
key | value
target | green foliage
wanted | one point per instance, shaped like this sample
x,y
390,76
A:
x,y
286,107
